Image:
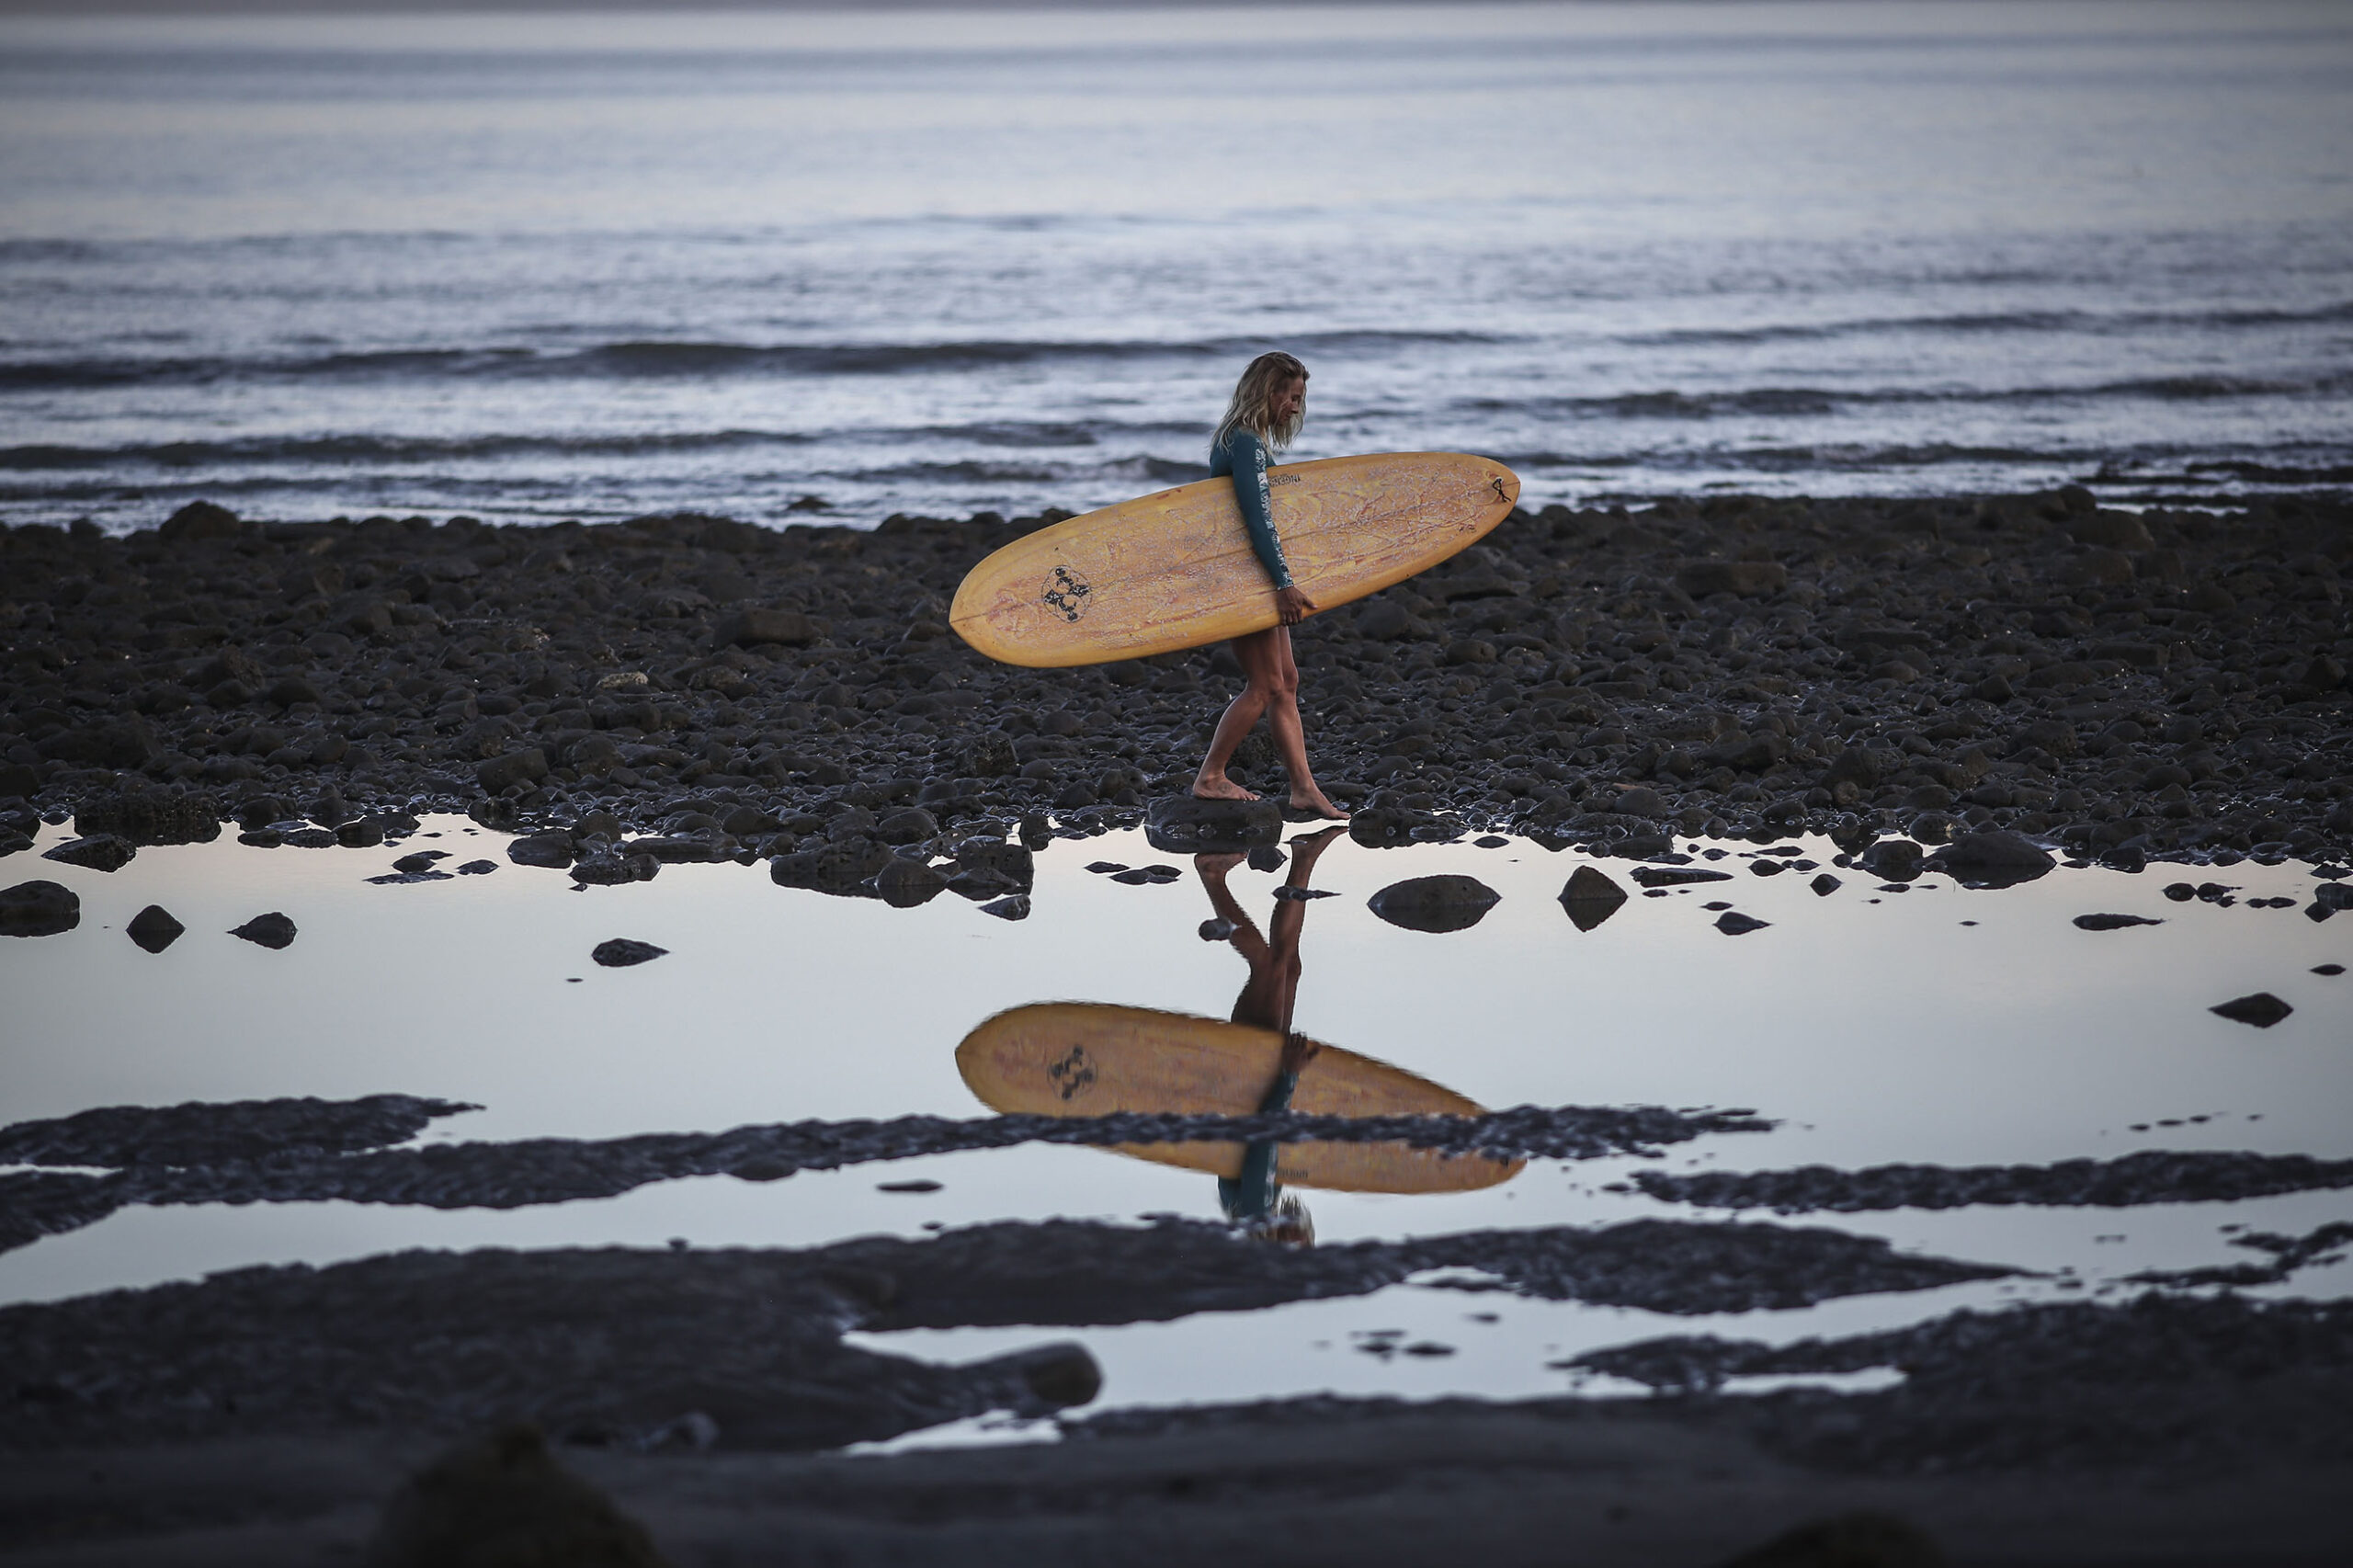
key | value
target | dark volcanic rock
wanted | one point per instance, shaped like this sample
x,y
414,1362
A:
x,y
1894,860
1733,923
910,824
201,521
987,867
39,909
1435,903
1014,906
364,833
1681,876
610,870
152,816
1747,578
154,928
905,883
501,773
2262,1009
2112,922
750,628
1178,825
97,852
620,952
271,931
1590,897
1641,801
1992,857
840,867
551,850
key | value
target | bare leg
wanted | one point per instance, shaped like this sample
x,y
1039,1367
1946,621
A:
x,y
1282,716
1211,783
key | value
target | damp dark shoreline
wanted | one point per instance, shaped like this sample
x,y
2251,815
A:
x,y
2167,683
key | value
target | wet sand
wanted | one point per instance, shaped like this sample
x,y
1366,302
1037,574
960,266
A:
x,y
264,1415
2167,686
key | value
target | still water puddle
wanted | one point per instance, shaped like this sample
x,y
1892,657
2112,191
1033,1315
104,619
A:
x,y
1864,1025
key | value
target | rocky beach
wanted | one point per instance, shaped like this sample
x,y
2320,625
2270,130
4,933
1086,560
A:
x,y
554,1012
2168,683
1983,686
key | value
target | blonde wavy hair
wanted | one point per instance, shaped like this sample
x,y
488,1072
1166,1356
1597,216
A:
x,y
1253,395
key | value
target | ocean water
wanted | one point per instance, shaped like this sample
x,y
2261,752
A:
x,y
532,268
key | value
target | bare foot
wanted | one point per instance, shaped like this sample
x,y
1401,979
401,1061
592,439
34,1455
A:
x,y
1315,800
1218,787
1216,864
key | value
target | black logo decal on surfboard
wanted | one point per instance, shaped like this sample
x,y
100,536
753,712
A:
x,y
1067,591
1498,482
1073,1073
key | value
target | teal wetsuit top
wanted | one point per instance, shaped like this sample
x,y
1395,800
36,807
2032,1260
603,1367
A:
x,y
1244,456
1251,1196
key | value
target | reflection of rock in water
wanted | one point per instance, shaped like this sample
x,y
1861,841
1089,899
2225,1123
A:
x,y
1090,1059
1591,897
154,928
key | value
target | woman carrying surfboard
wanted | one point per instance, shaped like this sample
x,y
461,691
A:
x,y
1265,414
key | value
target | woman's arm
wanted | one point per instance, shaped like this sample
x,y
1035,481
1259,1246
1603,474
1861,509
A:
x,y
1252,494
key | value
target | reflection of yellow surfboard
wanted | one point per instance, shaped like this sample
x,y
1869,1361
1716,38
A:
x,y
1174,570
1087,1059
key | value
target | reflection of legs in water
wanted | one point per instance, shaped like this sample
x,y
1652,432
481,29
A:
x,y
1255,1199
1268,995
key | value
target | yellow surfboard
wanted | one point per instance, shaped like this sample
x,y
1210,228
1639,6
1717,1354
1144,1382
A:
x,y
1090,1059
1174,570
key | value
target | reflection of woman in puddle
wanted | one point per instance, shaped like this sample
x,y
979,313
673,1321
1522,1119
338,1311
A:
x,y
1255,1200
